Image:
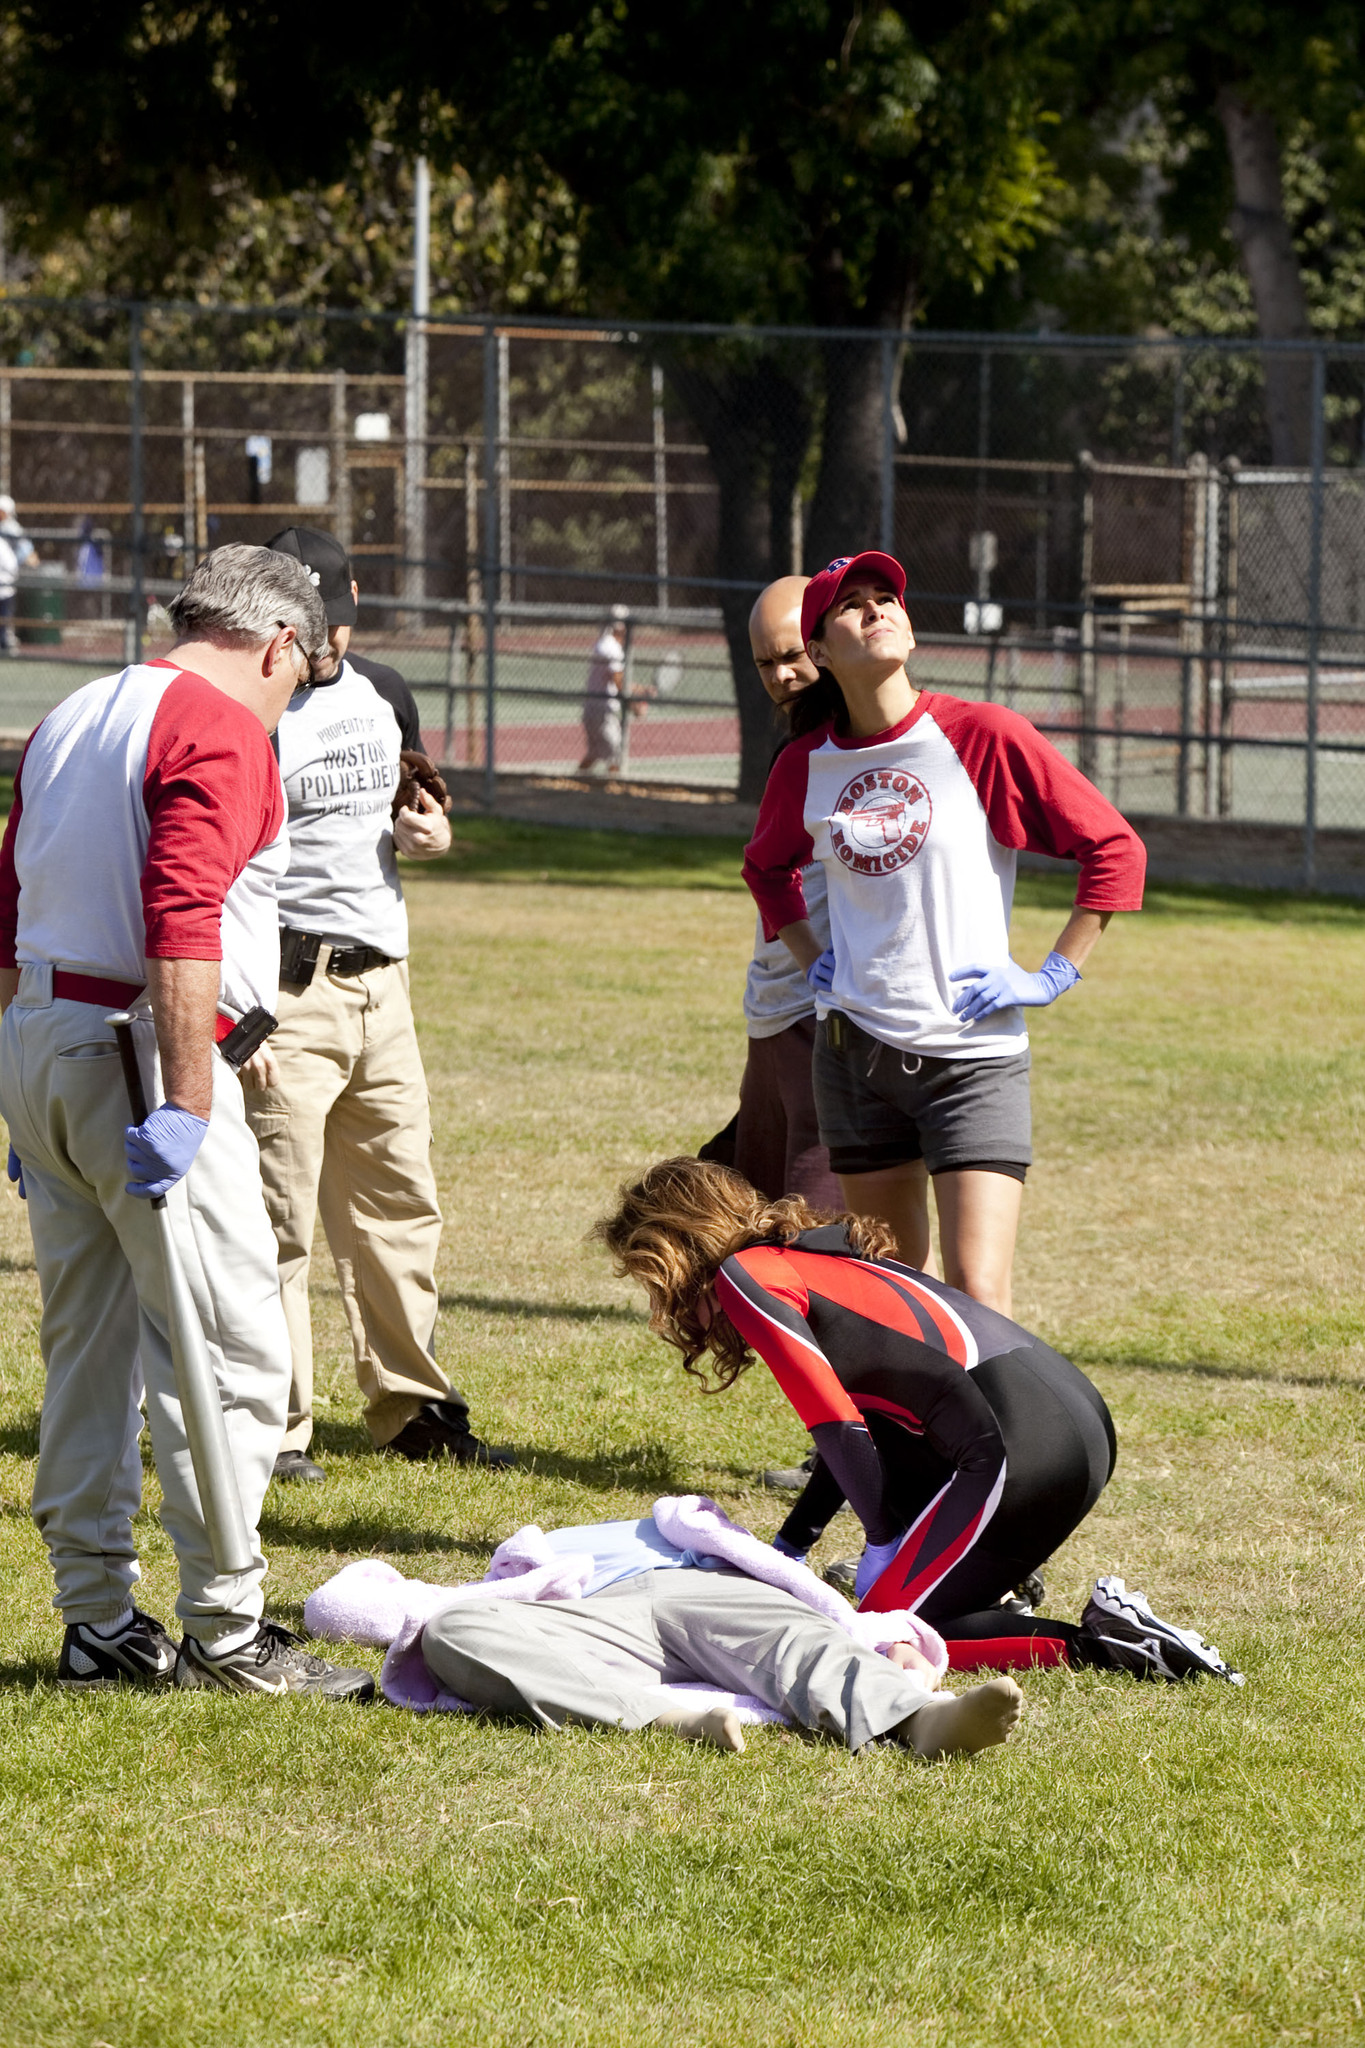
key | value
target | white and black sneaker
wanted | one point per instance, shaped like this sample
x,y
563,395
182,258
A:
x,y
140,1654
271,1662
1138,1641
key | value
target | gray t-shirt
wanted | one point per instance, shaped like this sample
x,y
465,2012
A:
x,y
776,993
338,746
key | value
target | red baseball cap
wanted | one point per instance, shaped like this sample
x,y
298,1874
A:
x,y
822,590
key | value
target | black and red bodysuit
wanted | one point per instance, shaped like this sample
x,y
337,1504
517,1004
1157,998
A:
x,y
938,1421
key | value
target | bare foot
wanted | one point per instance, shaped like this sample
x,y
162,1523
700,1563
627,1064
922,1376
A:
x,y
977,1720
720,1726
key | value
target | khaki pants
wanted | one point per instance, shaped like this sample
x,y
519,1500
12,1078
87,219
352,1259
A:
x,y
104,1321
347,1131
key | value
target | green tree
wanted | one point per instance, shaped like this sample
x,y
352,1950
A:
x,y
830,166
1253,116
823,166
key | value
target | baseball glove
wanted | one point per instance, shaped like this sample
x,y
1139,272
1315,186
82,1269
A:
x,y
416,772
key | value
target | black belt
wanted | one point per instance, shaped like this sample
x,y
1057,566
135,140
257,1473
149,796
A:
x,y
299,956
356,959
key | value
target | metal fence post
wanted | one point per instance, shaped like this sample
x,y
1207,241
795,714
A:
x,y
660,425
1227,710
415,401
453,663
492,554
187,475
1310,761
341,482
1195,623
1191,518
888,523
136,487
1087,664
504,369
473,596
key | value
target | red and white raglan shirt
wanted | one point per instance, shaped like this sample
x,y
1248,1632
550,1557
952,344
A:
x,y
918,830
147,825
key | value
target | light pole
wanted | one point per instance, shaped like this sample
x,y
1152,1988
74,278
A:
x,y
415,397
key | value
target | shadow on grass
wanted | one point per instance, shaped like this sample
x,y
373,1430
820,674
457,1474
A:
x,y
1207,1369
340,1440
365,1534
19,1439
9,1265
648,1466
568,1312
28,1674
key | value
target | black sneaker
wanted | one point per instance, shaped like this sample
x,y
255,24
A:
x,y
441,1430
141,1654
295,1467
1027,1597
842,1575
272,1662
1138,1641
787,1478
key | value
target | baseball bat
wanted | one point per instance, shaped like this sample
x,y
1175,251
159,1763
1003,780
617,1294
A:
x,y
195,1380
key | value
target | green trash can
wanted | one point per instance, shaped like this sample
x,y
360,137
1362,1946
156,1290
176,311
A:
x,y
40,608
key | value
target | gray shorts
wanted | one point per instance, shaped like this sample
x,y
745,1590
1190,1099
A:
x,y
881,1107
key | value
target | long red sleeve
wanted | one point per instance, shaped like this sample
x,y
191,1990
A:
x,y
1037,802
213,799
781,845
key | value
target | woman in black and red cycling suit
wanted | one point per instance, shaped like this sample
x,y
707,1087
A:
x,y
968,1449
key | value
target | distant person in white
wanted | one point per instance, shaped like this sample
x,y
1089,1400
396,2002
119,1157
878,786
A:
x,y
604,708
338,1097
16,552
9,583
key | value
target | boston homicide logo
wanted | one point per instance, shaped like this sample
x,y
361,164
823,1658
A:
x,y
880,821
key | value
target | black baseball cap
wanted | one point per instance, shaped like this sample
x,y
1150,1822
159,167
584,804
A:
x,y
327,562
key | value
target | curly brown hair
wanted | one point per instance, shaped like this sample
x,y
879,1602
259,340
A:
x,y
673,1230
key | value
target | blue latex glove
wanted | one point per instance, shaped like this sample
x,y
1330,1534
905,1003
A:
x,y
820,973
1010,987
14,1168
784,1549
161,1151
873,1563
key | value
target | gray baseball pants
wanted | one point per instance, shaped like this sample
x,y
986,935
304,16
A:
x,y
603,1659
103,1332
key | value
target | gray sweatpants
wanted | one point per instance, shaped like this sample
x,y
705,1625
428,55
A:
x,y
104,1329
604,1658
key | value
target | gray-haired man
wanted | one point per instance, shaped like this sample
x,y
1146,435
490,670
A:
x,y
138,872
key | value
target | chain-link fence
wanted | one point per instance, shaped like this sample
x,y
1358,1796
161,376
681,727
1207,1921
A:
x,y
1094,531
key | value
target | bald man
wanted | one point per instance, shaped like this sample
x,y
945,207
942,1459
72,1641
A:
x,y
777,1142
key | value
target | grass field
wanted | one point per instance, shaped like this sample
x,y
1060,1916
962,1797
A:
x,y
1142,1865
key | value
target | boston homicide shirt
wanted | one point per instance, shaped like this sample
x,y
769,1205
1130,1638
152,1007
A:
x,y
338,747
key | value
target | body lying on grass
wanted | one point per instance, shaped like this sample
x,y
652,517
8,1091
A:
x,y
682,1620
968,1449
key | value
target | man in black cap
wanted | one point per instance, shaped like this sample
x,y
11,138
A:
x,y
337,1096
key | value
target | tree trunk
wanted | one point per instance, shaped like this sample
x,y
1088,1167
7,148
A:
x,y
845,514
1259,228
755,422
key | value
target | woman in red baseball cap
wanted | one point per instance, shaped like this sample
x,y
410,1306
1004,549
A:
x,y
917,805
